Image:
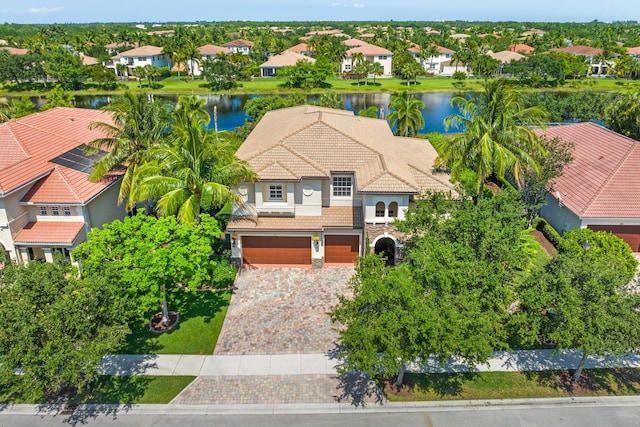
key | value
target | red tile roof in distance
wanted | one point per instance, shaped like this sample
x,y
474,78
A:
x,y
603,180
49,232
29,143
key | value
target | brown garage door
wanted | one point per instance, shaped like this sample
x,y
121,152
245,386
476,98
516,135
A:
x,y
276,250
341,249
628,233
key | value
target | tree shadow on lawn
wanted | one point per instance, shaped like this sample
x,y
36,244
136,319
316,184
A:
x,y
442,385
614,382
196,309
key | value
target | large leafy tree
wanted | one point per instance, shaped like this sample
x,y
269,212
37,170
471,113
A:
x,y
405,116
497,135
623,115
193,169
580,300
139,123
451,299
55,328
151,256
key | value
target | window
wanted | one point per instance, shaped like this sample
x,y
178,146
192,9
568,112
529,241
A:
x,y
67,211
43,210
55,211
342,186
276,193
382,58
380,209
393,209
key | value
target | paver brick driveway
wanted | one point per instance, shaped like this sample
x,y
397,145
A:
x,y
283,311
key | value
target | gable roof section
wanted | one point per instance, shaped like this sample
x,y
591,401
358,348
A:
x,y
602,181
33,141
369,49
300,48
578,50
506,56
238,43
142,51
521,48
211,49
286,58
314,142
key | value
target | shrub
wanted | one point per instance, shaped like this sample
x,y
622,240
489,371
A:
x,y
547,230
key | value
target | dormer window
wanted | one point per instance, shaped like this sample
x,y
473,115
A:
x,y
341,186
43,210
55,211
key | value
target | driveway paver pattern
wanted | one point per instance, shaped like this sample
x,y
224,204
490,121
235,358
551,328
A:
x,y
283,311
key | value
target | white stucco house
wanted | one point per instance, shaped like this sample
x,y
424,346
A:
x,y
371,53
239,46
208,52
47,204
140,57
285,59
329,183
600,188
434,64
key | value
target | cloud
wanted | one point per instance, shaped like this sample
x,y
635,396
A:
x,y
43,9
338,4
358,5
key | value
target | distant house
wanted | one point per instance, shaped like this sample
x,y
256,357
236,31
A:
x,y
591,53
47,203
139,57
506,56
435,64
600,188
286,58
239,46
208,52
371,53
521,48
15,50
302,49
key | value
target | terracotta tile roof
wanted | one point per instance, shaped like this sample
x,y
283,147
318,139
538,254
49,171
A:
x,y
142,51
369,49
210,49
578,50
238,43
49,232
332,217
15,50
29,143
300,48
521,48
89,60
286,58
506,56
633,50
353,42
312,142
442,50
603,180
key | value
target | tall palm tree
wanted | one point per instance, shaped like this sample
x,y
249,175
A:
x,y
498,135
405,115
193,169
5,108
376,69
139,123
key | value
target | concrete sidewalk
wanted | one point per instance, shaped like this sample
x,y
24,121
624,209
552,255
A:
x,y
311,364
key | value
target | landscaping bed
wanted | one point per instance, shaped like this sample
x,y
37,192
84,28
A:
x,y
134,389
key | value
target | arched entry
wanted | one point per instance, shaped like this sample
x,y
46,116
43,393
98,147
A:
x,y
386,247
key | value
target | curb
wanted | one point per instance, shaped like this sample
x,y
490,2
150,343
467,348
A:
x,y
322,408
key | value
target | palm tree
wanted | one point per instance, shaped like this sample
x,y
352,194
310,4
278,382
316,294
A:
x,y
193,169
405,115
122,69
138,124
376,69
371,112
498,135
5,108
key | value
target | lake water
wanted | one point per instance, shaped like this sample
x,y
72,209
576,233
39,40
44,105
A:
x,y
230,108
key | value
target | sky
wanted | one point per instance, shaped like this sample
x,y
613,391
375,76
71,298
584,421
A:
x,y
82,11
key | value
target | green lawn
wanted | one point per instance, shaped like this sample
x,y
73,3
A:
x,y
201,318
136,389
512,385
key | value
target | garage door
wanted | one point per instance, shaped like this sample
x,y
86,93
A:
x,y
341,249
276,250
628,233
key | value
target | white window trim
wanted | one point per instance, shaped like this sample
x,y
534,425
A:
x,y
275,188
334,187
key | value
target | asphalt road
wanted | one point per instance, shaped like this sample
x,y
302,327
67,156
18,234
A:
x,y
565,416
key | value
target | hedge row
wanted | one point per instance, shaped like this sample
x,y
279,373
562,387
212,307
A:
x,y
547,230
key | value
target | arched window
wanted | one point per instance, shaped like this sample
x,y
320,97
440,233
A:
x,y
380,210
393,209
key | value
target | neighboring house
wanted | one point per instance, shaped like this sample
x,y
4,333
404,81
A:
x,y
371,53
112,47
47,203
140,57
286,58
302,49
521,48
505,57
239,46
329,184
634,52
600,188
208,52
15,50
435,64
591,53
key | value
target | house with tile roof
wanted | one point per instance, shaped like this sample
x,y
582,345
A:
x,y
434,64
239,46
285,59
329,183
600,188
208,52
592,53
371,53
47,203
140,57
